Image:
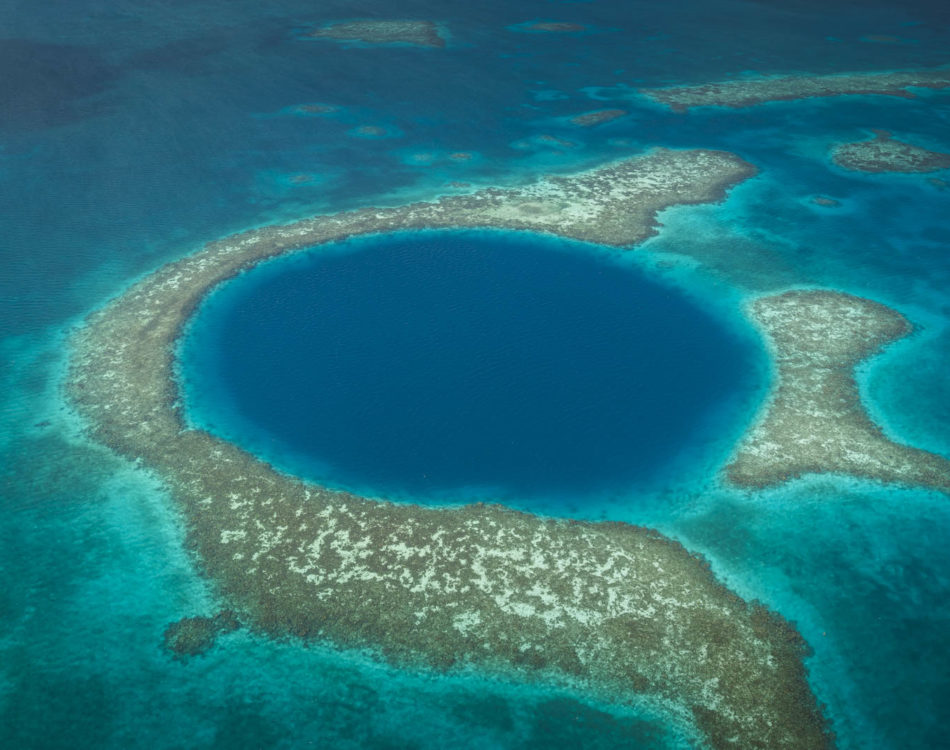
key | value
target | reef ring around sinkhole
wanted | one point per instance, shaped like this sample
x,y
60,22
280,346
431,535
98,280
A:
x,y
609,608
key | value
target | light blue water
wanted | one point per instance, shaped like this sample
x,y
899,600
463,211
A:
x,y
135,131
470,366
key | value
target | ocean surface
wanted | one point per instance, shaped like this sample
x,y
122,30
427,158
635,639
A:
x,y
133,132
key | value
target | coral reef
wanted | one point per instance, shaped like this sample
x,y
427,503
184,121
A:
x,y
416,33
555,27
748,92
610,608
883,153
192,636
589,119
814,421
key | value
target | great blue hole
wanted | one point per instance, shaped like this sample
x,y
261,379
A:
x,y
461,365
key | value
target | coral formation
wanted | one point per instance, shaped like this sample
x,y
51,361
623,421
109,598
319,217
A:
x,y
589,119
192,636
883,153
416,33
606,607
814,421
748,92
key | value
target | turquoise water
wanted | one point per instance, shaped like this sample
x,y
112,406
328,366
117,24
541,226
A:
x,y
134,132
471,366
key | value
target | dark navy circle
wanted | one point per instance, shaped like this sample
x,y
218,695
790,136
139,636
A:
x,y
461,364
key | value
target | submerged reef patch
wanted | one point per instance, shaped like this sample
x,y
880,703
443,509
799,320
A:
x,y
315,108
374,132
598,117
550,27
748,92
814,421
607,607
884,153
192,636
545,141
415,33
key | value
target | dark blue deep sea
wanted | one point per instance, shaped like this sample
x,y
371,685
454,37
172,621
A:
x,y
468,366
132,132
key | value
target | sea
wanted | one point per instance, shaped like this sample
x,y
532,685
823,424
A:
x,y
133,132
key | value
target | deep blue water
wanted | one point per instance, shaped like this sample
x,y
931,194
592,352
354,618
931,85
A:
x,y
132,132
467,366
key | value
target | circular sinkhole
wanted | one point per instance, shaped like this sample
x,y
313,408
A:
x,y
463,365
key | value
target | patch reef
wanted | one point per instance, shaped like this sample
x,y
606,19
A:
x,y
606,607
814,421
415,33
749,92
598,117
883,153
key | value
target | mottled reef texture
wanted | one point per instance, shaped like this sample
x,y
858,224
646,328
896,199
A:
x,y
589,119
316,109
555,27
814,421
608,607
192,636
883,153
417,33
752,91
